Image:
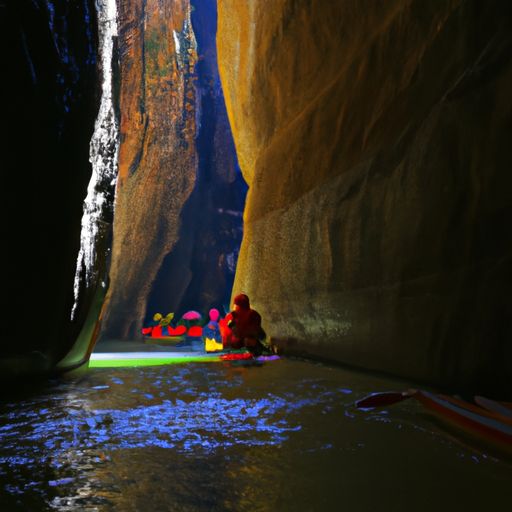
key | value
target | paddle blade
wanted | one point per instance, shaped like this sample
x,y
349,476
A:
x,y
382,399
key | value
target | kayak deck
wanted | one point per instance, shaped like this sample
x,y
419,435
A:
x,y
164,340
152,358
119,359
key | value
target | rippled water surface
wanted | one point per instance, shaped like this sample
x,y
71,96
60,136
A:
x,y
284,436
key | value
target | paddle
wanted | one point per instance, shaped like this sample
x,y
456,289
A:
x,y
382,399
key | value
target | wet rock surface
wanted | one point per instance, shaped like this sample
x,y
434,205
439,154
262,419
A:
x,y
180,197
374,139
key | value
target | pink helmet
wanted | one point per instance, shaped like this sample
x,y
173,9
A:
x,y
214,314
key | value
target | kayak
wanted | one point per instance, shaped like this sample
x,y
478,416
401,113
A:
x,y
490,426
122,359
504,408
479,421
163,331
163,340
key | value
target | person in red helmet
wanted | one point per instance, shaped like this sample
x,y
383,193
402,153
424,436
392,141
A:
x,y
244,327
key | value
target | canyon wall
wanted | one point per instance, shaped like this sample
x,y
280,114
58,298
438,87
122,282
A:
x,y
179,195
50,97
157,158
374,137
199,271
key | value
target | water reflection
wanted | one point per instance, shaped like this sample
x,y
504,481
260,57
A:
x,y
206,422
285,436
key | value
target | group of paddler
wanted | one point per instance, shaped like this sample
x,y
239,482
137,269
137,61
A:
x,y
240,328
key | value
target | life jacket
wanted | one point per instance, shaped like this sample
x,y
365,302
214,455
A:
x,y
195,331
176,331
245,323
212,330
157,331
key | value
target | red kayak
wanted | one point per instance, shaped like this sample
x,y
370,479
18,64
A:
x,y
159,331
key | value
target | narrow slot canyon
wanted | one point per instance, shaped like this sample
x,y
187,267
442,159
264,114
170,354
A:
x,y
345,165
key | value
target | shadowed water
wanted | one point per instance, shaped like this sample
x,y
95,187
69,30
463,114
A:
x,y
210,436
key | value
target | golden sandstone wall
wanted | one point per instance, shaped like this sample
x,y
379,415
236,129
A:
x,y
157,158
375,138
180,195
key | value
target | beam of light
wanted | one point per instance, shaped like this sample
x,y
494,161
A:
x,y
103,152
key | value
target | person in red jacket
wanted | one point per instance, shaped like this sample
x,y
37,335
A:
x,y
244,327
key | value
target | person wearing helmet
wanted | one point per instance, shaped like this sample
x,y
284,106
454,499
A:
x,y
157,318
211,332
244,327
166,320
212,329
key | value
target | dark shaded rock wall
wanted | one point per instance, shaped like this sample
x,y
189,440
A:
x,y
177,220
49,103
375,140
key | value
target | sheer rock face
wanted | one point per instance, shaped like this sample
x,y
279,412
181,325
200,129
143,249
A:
x,y
199,272
375,141
157,157
178,185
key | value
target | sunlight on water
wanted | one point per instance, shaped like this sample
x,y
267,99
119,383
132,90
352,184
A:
x,y
103,154
284,436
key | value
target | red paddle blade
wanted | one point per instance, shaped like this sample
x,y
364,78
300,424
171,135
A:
x,y
382,399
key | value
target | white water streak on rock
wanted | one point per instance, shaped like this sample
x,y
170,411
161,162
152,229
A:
x,y
103,152
185,42
176,41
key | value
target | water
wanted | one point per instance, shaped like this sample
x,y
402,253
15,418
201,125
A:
x,y
211,437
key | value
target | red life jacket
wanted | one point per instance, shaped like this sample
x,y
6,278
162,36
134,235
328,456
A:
x,y
246,323
195,331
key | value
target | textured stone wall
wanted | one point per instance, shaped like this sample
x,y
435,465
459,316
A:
x,y
375,138
157,157
180,195
199,271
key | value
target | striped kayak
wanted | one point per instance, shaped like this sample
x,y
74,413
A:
x,y
491,426
504,408
485,420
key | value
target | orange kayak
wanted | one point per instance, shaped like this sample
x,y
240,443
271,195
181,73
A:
x,y
485,420
504,408
491,426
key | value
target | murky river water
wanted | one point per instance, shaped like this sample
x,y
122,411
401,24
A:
x,y
211,437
